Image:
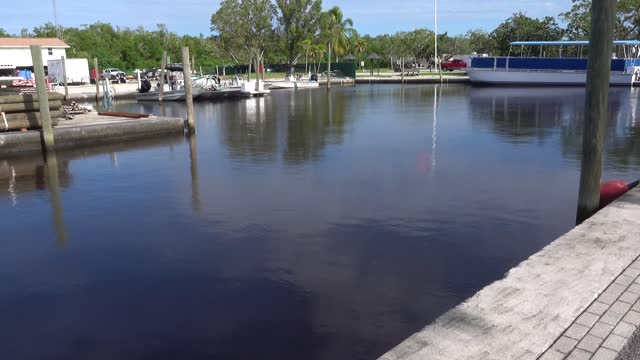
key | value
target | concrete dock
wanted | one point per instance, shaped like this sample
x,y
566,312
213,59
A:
x,y
90,130
578,298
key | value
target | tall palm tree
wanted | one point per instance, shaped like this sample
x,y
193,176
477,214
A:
x,y
306,46
360,47
337,30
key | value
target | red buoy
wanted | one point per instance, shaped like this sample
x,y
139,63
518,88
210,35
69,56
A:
x,y
612,190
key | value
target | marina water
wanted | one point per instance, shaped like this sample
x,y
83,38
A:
x,y
303,225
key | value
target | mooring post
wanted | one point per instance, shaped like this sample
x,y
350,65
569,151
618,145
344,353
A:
x,y
186,70
95,67
64,75
43,98
329,67
162,66
195,179
596,108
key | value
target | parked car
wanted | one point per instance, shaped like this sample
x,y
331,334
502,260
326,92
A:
x,y
453,64
114,74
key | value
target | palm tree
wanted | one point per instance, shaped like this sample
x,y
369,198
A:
x,y
335,31
316,53
360,47
306,46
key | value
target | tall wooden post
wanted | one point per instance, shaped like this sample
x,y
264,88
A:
x,y
186,70
195,179
64,75
95,67
329,67
596,108
43,98
162,66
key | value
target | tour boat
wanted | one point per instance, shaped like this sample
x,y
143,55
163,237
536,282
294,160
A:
x,y
553,71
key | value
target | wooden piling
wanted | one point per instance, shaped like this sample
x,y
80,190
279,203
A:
x,y
95,67
329,67
162,66
64,75
186,70
596,108
43,98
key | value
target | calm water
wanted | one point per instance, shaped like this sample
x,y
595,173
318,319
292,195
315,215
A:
x,y
298,226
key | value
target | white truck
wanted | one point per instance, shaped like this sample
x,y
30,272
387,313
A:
x,y
77,71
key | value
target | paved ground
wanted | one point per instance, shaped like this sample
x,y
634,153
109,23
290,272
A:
x,y
576,299
602,330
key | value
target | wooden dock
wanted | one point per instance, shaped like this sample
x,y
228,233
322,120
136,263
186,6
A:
x,y
90,130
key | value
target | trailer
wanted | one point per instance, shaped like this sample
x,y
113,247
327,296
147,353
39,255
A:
x,y
77,71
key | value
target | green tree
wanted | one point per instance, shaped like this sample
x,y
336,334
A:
x,y
578,19
245,27
47,30
479,41
335,30
3,33
298,20
520,27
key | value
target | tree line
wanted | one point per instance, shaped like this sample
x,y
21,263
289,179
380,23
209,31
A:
x,y
299,31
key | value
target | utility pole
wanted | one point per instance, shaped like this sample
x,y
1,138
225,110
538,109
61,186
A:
x,y
597,106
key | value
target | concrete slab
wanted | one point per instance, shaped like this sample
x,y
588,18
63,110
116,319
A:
x,y
522,315
90,130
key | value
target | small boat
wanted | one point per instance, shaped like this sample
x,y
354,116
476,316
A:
x,y
216,87
292,82
173,88
553,71
169,95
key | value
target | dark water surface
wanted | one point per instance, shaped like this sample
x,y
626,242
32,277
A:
x,y
298,226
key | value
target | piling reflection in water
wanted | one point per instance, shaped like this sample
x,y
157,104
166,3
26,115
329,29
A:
x,y
53,184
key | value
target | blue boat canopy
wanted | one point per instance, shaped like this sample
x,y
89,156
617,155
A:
x,y
569,43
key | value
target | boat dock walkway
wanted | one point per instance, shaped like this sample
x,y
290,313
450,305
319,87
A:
x,y
578,298
89,130
397,79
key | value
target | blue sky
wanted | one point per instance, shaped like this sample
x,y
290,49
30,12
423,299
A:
x,y
370,16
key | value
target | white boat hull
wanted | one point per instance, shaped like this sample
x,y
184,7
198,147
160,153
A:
x,y
284,84
174,95
540,77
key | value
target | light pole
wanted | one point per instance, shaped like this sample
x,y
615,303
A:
x,y
435,29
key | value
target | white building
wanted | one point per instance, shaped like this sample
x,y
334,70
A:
x,y
15,52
